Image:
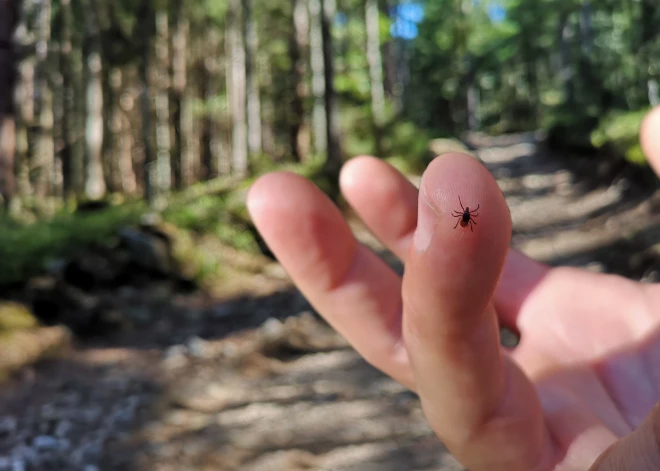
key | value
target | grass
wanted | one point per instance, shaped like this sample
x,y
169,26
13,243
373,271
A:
x,y
215,208
26,248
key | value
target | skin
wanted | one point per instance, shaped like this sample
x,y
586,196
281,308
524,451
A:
x,y
579,391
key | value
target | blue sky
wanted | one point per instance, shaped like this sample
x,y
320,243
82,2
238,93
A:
x,y
406,18
408,15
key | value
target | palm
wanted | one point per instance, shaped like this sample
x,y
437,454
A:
x,y
588,341
576,382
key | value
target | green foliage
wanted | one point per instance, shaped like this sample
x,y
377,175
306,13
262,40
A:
x,y
569,129
619,133
25,249
404,141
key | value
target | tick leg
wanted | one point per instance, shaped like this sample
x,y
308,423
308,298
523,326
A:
x,y
472,215
477,208
459,200
457,222
471,229
456,214
473,222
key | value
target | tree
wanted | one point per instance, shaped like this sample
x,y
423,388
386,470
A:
x,y
372,15
180,120
8,20
255,139
95,186
237,91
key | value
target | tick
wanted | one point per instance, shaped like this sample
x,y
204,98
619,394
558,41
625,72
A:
x,y
466,217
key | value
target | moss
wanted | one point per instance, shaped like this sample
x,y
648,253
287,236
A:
x,y
14,316
26,249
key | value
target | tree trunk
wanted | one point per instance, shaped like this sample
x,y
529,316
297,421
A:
x,y
565,65
334,159
213,157
255,139
122,140
43,163
318,77
238,90
69,188
586,27
375,59
268,109
207,167
181,123
24,102
148,161
163,138
95,186
298,51
8,20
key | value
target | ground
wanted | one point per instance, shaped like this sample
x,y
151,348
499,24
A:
x,y
251,379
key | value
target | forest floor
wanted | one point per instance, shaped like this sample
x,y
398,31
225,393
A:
x,y
247,378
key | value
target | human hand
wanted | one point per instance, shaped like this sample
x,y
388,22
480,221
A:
x,y
585,373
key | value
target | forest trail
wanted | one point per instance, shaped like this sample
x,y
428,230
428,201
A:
x,y
257,382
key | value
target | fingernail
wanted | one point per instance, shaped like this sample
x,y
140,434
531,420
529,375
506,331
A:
x,y
426,222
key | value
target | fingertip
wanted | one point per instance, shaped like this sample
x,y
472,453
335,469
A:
x,y
276,189
454,182
650,138
353,170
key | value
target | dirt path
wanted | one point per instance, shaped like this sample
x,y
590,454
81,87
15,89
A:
x,y
257,382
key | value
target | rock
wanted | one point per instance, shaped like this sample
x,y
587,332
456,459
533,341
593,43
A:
x,y
7,426
176,356
272,329
150,251
198,348
63,428
90,270
45,443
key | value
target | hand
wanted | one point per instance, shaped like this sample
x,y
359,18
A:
x,y
586,372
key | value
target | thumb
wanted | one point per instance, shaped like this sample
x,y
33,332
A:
x,y
476,399
639,451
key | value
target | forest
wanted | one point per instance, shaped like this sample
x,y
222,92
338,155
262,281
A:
x,y
143,98
133,284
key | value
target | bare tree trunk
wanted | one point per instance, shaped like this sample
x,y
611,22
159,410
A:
x,y
163,138
206,164
375,59
24,102
565,66
148,161
212,155
318,78
268,109
222,143
334,160
8,20
122,141
298,51
238,90
255,139
181,123
95,186
43,165
69,188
